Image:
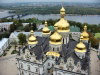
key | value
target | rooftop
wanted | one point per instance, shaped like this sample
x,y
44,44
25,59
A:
x,y
3,41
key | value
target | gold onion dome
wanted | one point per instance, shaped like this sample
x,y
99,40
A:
x,y
62,24
32,39
46,30
80,47
85,34
55,38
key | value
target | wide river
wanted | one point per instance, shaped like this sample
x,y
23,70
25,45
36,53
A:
x,y
90,19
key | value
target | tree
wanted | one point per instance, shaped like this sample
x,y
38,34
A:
x,y
93,40
27,28
14,43
34,26
22,38
12,27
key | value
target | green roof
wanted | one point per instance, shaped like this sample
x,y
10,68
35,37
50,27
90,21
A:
x,y
74,29
97,35
51,28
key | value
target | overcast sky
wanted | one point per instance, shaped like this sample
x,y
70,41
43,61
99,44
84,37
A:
x,y
14,1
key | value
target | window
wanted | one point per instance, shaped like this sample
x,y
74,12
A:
x,y
53,49
22,73
28,67
36,69
48,64
21,65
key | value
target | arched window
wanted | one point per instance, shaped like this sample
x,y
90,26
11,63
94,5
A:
x,y
28,67
22,73
21,65
48,64
53,49
36,69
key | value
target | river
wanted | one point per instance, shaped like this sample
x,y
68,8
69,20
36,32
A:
x,y
90,19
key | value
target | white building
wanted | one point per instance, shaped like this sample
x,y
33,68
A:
x,y
4,43
14,35
5,25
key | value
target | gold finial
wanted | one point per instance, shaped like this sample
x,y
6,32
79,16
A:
x,y
81,37
85,28
62,12
31,32
46,24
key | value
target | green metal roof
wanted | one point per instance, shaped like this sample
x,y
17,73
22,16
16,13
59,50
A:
x,y
51,28
72,28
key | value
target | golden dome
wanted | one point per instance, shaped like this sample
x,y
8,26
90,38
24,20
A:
x,y
55,38
80,47
46,30
85,34
62,24
32,39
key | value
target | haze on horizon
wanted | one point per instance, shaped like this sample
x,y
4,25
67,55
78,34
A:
x,y
17,1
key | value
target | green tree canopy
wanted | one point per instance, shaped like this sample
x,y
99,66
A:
x,y
22,38
12,27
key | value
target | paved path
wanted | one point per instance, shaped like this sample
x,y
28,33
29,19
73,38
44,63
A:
x,y
10,51
8,65
94,63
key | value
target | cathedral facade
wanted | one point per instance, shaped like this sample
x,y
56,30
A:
x,y
59,53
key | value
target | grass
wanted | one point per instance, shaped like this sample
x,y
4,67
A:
x,y
97,35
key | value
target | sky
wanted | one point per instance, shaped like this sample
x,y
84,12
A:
x,y
14,1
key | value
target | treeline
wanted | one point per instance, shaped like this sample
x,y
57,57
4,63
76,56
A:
x,y
55,10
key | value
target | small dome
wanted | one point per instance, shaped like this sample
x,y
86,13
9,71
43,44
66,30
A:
x,y
32,39
46,30
80,47
85,34
55,38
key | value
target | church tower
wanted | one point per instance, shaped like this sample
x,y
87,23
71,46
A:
x,y
32,41
55,42
63,27
85,35
46,31
80,49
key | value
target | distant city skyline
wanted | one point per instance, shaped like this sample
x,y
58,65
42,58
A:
x,y
14,1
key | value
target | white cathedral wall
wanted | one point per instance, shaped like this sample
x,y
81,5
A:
x,y
47,65
75,35
65,36
56,48
34,68
80,55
